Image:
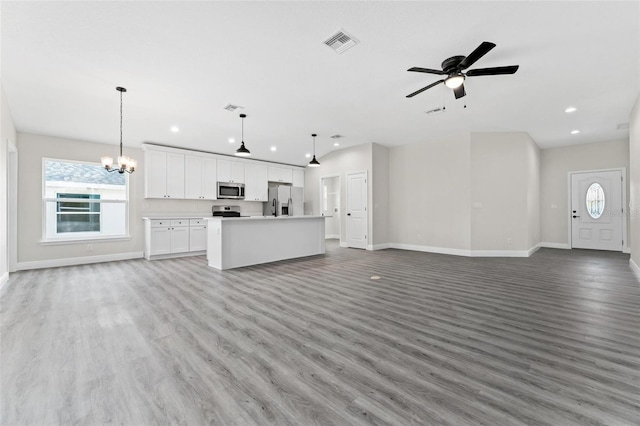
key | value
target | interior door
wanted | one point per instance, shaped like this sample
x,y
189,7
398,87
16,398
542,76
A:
x,y
597,210
357,210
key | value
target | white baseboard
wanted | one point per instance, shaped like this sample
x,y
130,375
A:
x,y
343,244
332,237
564,246
463,252
3,280
54,263
626,250
635,268
379,246
430,249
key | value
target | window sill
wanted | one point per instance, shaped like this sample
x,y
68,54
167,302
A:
x,y
57,241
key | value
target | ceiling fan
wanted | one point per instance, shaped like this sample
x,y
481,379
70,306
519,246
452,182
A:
x,y
454,66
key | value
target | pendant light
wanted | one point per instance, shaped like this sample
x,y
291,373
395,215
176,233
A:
x,y
125,164
242,151
314,162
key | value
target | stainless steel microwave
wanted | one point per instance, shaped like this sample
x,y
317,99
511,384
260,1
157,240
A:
x,y
230,190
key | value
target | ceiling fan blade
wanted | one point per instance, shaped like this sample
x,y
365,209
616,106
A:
x,y
511,69
427,70
480,51
424,88
459,91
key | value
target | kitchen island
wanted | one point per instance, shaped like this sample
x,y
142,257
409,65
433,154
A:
x,y
233,242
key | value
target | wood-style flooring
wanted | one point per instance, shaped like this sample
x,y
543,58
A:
x,y
553,339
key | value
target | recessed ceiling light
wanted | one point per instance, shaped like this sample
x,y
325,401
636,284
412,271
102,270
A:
x,y
175,129
336,144
570,109
575,132
273,148
232,140
307,155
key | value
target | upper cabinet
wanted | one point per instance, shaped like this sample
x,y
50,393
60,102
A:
x,y
256,185
193,175
280,174
298,178
230,171
200,177
164,174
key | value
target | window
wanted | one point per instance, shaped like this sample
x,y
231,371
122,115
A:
x,y
595,200
83,201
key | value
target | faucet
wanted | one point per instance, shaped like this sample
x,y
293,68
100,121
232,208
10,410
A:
x,y
275,208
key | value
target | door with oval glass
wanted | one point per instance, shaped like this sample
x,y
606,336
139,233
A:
x,y
597,210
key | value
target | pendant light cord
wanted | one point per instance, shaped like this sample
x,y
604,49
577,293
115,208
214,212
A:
x,y
120,123
242,129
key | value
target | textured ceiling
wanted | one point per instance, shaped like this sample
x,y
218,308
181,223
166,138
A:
x,y
182,62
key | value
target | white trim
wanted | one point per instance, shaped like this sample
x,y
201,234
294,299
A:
x,y
500,253
534,249
430,249
635,268
172,255
564,246
379,246
54,263
332,236
626,250
462,252
4,279
78,240
343,244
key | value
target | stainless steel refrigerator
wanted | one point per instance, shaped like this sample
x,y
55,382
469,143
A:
x,y
284,201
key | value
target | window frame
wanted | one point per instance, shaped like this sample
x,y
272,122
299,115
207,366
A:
x,y
79,237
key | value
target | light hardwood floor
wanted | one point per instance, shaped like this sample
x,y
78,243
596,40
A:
x,y
439,340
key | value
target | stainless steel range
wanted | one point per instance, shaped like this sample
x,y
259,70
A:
x,y
226,211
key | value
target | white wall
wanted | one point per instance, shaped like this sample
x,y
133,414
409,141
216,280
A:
x,y
555,165
31,252
7,136
380,193
429,194
634,190
504,175
339,163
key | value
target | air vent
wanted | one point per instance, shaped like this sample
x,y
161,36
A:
x,y
340,42
232,107
337,136
623,126
435,111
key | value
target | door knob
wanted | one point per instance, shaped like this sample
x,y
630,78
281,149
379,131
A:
x,y
348,214
574,216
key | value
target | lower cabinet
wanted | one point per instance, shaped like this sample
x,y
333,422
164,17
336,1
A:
x,y
174,237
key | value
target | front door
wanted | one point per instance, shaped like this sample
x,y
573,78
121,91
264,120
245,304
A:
x,y
357,210
596,210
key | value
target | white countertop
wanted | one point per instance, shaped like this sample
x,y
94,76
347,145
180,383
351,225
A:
x,y
172,217
263,217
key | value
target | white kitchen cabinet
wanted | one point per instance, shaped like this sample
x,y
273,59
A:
x,y
200,178
197,235
164,174
174,237
298,178
280,174
230,171
256,184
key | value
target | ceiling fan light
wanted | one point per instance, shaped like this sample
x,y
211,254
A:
x,y
454,81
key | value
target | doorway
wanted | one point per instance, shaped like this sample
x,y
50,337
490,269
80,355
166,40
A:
x,y
330,206
357,220
597,210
